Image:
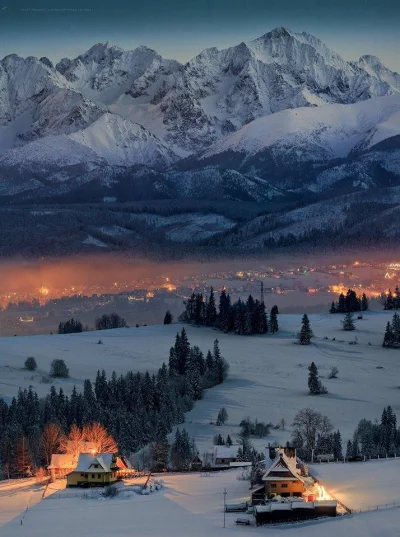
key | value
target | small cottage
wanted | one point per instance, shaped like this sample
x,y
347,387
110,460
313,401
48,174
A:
x,y
224,455
283,478
197,464
61,465
94,470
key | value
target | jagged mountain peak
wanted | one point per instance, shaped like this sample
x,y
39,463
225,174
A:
x,y
100,51
375,68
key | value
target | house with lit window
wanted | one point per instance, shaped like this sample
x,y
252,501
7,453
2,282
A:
x,y
283,477
94,470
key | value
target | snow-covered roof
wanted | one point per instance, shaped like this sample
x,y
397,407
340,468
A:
x,y
225,452
86,460
283,468
325,503
62,460
241,464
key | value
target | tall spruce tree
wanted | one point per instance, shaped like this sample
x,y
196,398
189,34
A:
x,y
273,323
168,317
305,334
348,321
211,314
388,339
313,380
364,302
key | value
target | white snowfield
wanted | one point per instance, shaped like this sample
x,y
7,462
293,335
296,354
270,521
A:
x,y
362,485
189,505
268,380
268,374
336,128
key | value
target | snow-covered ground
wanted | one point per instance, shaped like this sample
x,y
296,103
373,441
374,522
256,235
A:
x,y
268,380
188,505
362,485
268,374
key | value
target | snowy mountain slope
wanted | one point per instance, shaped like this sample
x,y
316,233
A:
x,y
105,71
288,147
252,122
375,68
24,83
337,129
63,162
220,91
119,141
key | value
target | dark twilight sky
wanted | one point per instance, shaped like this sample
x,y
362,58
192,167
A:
x,y
180,29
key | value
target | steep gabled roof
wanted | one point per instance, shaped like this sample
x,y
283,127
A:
x,y
86,460
282,470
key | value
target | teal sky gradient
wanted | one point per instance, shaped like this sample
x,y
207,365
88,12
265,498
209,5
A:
x,y
181,29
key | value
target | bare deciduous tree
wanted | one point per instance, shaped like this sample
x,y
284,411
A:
x,y
307,425
72,443
50,441
99,436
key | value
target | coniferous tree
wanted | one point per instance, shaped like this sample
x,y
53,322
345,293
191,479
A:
x,y
228,441
313,381
348,321
274,310
273,323
388,339
305,334
222,416
261,326
211,313
341,307
349,450
333,308
389,302
337,445
240,318
168,317
396,329
364,302
224,311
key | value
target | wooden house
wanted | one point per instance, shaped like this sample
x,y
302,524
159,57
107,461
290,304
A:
x,y
94,470
224,455
61,465
283,478
197,464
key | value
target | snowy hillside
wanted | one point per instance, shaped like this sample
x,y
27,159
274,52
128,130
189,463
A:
x,y
323,134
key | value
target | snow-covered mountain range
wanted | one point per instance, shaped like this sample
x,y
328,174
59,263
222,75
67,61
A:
x,y
280,114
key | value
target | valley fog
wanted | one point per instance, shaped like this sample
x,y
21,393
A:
x,y
36,295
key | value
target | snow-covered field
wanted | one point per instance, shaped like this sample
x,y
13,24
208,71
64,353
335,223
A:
x,y
362,486
268,380
189,505
268,374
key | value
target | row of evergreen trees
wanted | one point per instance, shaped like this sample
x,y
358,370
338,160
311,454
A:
x,y
136,408
350,303
392,300
243,318
391,338
72,326
105,322
372,439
